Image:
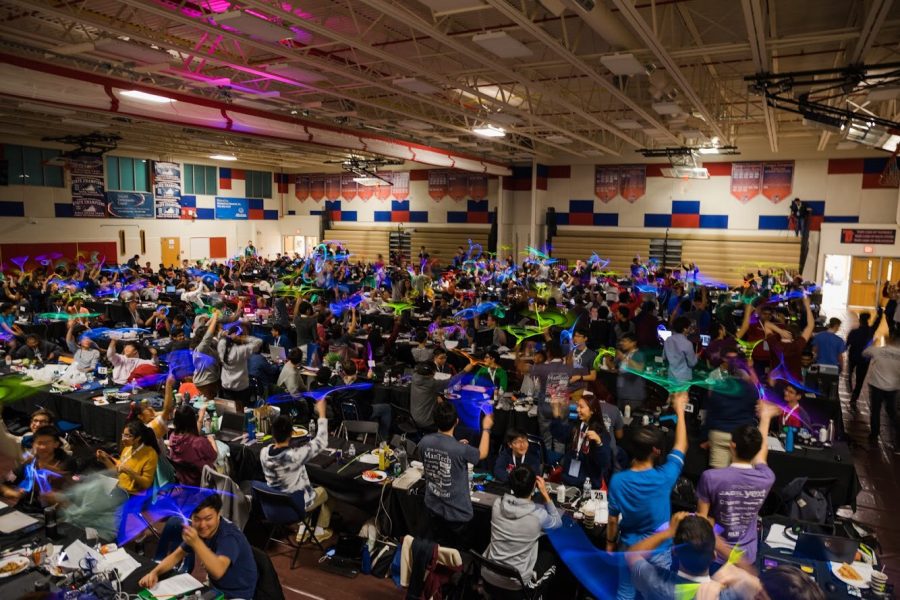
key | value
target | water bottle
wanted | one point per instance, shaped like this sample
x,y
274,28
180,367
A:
x,y
831,430
311,429
351,451
560,494
250,424
471,481
586,489
789,441
401,460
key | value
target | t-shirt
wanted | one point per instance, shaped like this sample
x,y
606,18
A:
x,y
829,347
554,378
239,580
641,498
447,476
735,495
612,419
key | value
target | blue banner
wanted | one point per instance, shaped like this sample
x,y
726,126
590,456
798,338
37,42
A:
x,y
130,205
232,208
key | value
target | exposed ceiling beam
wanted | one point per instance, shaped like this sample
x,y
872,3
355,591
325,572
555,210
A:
x,y
756,34
878,11
640,26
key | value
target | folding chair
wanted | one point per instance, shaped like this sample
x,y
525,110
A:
x,y
281,509
357,428
517,589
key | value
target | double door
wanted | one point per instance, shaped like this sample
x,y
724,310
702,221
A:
x,y
867,277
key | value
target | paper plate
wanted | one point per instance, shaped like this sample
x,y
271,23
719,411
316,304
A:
x,y
299,432
368,459
374,476
450,344
864,571
13,565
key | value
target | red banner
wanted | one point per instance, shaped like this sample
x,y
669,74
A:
x,y
478,186
332,187
400,185
365,192
777,180
301,187
348,186
383,190
746,180
457,185
317,186
632,182
438,185
606,183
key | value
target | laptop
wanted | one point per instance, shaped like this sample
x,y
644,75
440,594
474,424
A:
x,y
816,546
170,289
231,427
277,353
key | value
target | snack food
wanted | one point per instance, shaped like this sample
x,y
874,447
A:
x,y
848,572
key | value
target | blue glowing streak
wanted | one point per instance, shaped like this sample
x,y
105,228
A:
x,y
596,260
147,381
338,308
565,336
318,394
179,501
472,404
39,476
647,289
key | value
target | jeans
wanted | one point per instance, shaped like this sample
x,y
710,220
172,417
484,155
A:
x,y
859,370
877,397
382,414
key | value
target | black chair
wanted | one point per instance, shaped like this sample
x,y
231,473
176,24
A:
x,y
359,428
281,510
497,593
268,586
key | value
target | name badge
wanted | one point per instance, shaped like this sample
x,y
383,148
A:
x,y
574,468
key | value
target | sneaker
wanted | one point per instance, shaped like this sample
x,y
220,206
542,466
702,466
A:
x,y
323,534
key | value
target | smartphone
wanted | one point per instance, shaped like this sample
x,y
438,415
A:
x,y
704,340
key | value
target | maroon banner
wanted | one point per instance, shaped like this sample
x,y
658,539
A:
x,y
438,184
632,182
348,186
332,187
746,180
301,187
457,185
777,180
383,191
478,186
317,186
606,183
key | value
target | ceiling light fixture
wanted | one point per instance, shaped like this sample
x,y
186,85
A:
x,y
228,157
502,44
145,97
490,131
708,150
254,26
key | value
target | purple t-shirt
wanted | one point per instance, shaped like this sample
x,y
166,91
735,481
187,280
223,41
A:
x,y
735,496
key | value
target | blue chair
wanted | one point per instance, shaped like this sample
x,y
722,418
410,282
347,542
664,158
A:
x,y
280,510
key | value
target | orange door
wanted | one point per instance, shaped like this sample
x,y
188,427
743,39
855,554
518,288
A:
x,y
864,276
170,251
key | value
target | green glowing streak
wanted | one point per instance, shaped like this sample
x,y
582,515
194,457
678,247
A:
x,y
726,386
522,333
61,316
686,591
535,252
297,290
12,389
601,352
748,347
547,318
399,307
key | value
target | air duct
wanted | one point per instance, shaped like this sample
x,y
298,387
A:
x,y
606,24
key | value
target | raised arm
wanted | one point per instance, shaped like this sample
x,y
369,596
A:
x,y
810,322
767,411
679,400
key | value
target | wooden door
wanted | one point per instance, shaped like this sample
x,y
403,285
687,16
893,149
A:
x,y
865,272
890,272
170,251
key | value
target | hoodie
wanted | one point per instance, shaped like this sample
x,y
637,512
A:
x,y
189,454
516,525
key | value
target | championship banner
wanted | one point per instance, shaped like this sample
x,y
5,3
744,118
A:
x,y
332,187
478,186
438,184
606,183
383,191
301,187
348,186
777,180
317,186
167,189
457,185
232,209
130,205
746,180
400,184
632,182
87,187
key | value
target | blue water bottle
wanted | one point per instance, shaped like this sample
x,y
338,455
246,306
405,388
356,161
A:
x,y
789,441
250,424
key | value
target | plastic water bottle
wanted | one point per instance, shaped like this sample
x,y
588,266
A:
x,y
471,482
351,452
560,494
586,489
207,423
250,424
311,429
789,440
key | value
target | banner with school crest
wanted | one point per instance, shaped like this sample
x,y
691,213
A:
x,y
746,180
319,186
167,189
88,198
778,180
458,185
632,182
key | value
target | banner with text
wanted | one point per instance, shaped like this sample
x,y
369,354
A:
x,y
777,180
232,209
87,187
606,183
632,182
319,186
129,205
167,189
459,185
746,180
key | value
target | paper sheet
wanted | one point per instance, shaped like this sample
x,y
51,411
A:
x,y
175,586
75,553
777,538
121,561
15,521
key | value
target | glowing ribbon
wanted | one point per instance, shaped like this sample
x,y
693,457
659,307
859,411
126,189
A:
x,y
523,333
40,476
399,307
601,353
61,316
178,501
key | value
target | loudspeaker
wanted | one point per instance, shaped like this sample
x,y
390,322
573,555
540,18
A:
x,y
122,241
143,243
551,222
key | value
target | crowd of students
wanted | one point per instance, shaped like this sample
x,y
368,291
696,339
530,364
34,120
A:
x,y
746,351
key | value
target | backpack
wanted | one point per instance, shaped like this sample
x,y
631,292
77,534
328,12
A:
x,y
808,503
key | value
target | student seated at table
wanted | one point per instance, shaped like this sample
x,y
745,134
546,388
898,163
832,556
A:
x,y
440,363
37,349
515,453
291,379
446,460
265,372
693,546
136,465
517,523
588,452
189,451
85,354
733,495
40,418
279,338
285,470
221,548
421,352
49,471
794,415
124,364
490,371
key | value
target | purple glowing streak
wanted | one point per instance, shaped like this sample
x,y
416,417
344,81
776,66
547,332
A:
x,y
317,395
179,501
19,261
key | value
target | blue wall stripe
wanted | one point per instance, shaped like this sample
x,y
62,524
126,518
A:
x,y
315,213
478,205
292,212
841,219
348,215
456,216
874,165
382,216
418,216
270,215
817,206
63,209
399,204
773,222
188,201
12,209
562,218
685,207
606,219
657,220
332,205
581,206
714,221
255,203
224,173
206,213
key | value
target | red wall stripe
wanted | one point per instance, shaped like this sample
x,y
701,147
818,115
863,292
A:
x,y
844,166
718,169
559,171
418,175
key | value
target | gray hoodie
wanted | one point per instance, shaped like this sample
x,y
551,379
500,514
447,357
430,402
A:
x,y
423,393
516,525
